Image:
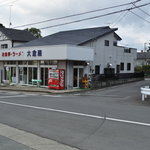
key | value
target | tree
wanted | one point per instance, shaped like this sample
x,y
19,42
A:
x,y
144,68
35,32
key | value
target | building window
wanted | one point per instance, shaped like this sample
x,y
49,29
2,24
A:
x,y
121,66
106,43
115,43
48,62
97,69
127,50
3,46
128,66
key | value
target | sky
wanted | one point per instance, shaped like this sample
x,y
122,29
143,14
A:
x,y
133,27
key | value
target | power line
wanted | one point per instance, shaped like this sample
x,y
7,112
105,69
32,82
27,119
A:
x,y
140,16
120,18
141,10
90,18
78,14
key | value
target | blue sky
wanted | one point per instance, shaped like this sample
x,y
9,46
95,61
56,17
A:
x,y
133,30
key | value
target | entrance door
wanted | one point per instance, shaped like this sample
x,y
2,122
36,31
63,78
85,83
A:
x,y
77,77
23,75
32,74
44,76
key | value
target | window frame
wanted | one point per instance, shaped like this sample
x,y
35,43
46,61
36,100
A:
x,y
4,46
97,69
115,43
128,66
106,42
122,66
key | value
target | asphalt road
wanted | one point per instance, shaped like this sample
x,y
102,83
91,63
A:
x,y
113,118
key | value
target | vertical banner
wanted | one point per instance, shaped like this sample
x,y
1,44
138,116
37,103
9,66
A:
x,y
62,78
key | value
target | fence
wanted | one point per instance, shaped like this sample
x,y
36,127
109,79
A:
x,y
99,81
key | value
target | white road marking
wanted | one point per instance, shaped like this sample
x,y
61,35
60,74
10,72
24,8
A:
x,y
10,96
78,114
53,95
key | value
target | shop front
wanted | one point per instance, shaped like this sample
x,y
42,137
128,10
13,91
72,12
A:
x,y
23,64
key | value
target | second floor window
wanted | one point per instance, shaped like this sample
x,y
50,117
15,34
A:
x,y
127,50
3,46
115,43
106,43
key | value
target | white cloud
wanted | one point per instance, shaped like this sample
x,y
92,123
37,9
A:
x,y
133,30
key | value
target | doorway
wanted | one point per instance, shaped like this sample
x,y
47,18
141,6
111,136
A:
x,y
32,74
23,75
44,76
77,76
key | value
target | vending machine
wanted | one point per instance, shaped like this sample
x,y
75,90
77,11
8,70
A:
x,y
56,79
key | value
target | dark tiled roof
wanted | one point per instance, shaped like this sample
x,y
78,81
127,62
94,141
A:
x,y
143,55
17,35
74,37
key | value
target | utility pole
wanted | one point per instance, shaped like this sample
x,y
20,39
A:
x,y
10,15
145,47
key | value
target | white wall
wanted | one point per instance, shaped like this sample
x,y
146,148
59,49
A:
x,y
111,54
5,40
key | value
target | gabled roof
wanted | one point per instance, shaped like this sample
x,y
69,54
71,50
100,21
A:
x,y
73,37
143,55
17,35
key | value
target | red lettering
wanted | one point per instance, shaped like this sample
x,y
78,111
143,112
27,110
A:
x,y
8,54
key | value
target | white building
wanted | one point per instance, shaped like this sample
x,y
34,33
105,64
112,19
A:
x,y
78,52
11,37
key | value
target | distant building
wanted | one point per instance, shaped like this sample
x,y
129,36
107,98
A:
x,y
78,52
11,37
143,58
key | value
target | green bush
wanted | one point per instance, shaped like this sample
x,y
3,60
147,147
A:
x,y
144,68
138,69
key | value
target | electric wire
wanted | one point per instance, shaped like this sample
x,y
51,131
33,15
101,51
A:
x,y
120,18
140,16
78,14
142,10
94,17
129,9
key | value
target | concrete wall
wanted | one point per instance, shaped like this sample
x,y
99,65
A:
x,y
110,54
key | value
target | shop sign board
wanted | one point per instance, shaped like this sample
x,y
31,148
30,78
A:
x,y
59,52
29,53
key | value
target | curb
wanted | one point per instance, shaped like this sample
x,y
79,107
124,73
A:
x,y
41,90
